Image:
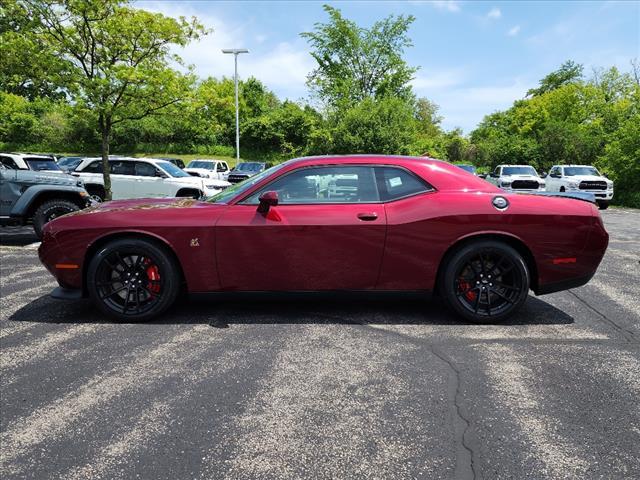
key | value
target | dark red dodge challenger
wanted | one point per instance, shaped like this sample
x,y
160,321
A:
x,y
370,222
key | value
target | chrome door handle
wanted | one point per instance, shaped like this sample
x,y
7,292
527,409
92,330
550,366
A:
x,y
368,217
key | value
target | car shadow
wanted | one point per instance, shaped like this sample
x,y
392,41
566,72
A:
x,y
17,236
241,309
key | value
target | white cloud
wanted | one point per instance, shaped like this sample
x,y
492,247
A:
x,y
446,5
282,68
466,106
494,13
513,31
424,84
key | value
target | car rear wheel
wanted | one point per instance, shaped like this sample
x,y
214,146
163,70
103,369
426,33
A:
x,y
49,211
485,281
133,279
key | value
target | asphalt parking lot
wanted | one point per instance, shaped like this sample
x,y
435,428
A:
x,y
317,388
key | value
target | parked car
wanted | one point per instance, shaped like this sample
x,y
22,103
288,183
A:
x,y
467,168
176,161
29,161
208,169
517,178
244,170
581,178
144,178
69,164
27,196
410,224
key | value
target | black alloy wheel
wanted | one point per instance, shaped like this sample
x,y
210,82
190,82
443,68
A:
x,y
486,281
133,279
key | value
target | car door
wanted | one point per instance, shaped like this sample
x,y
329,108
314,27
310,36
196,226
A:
x,y
222,170
8,195
310,240
553,180
123,181
149,182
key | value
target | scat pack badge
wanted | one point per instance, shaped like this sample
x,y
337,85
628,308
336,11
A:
x,y
194,242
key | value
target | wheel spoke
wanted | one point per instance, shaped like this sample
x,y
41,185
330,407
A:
x,y
113,293
486,293
126,301
137,295
508,287
501,295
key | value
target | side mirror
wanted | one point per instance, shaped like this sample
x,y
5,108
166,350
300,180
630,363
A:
x,y
160,174
543,175
267,200
482,175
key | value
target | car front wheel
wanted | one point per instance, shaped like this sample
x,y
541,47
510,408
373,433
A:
x,y
133,279
485,281
49,211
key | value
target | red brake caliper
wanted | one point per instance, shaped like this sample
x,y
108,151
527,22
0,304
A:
x,y
153,275
464,286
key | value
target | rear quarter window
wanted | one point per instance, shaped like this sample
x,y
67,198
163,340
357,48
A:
x,y
395,183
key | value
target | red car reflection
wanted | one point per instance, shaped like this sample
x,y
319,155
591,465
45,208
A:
x,y
370,222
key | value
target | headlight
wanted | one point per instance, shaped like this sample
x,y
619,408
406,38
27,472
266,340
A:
x,y
572,185
212,187
80,183
542,184
505,184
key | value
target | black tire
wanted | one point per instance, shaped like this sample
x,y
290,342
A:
x,y
49,210
189,193
133,279
96,193
485,281
603,204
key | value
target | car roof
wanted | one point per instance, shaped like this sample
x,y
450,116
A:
x,y
442,175
30,155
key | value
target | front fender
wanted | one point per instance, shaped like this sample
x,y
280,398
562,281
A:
x,y
30,195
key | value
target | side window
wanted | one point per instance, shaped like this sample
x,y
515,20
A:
x,y
222,167
394,183
122,168
337,184
145,169
94,167
8,162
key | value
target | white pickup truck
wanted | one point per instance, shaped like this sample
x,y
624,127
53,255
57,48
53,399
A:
x,y
580,178
144,178
205,168
517,178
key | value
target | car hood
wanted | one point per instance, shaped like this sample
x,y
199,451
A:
x,y
521,177
587,178
138,204
198,170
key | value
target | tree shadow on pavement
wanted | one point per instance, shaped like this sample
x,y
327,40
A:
x,y
223,311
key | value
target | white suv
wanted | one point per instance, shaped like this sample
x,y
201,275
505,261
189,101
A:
x,y
29,161
581,178
517,178
144,178
208,169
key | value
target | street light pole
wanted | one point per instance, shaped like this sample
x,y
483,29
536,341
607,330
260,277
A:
x,y
236,52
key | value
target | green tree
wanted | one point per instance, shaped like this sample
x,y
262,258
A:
x,y
569,72
355,63
116,59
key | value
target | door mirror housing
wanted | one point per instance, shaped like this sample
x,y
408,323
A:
x,y
544,175
267,200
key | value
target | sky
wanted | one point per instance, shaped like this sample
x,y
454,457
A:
x,y
474,57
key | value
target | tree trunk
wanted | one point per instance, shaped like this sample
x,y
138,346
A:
x,y
104,122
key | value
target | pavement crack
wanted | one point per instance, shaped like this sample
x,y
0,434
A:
x,y
467,454
628,334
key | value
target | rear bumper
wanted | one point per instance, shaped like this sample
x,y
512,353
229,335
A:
x,y
564,284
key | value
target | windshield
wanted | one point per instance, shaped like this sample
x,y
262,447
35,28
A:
x,y
519,171
171,169
41,164
468,168
69,162
237,189
207,165
248,167
572,171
